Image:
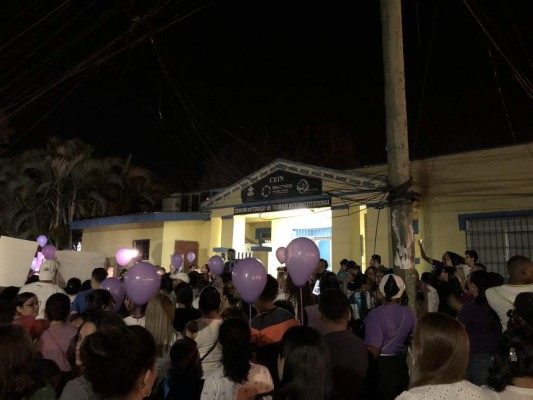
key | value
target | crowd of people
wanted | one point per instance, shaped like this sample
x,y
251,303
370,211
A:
x,y
346,335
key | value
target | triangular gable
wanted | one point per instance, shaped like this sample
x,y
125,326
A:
x,y
356,181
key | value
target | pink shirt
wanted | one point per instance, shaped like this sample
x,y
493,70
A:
x,y
54,343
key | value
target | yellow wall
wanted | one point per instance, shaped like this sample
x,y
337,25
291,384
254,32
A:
x,y
345,236
198,231
107,240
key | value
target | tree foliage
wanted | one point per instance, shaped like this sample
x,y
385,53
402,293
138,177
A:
x,y
43,190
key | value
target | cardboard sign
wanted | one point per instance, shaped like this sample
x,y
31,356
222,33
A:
x,y
16,256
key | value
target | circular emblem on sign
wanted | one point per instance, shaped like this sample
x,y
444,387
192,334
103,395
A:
x,y
266,191
302,186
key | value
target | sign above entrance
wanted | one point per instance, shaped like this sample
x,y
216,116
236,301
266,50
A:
x,y
281,185
292,205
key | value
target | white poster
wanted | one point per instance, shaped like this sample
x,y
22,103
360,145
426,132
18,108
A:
x,y
78,264
16,256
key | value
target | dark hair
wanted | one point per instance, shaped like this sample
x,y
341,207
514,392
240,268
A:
x,y
329,281
286,305
479,278
32,279
523,304
194,276
184,357
57,307
333,304
86,285
441,349
73,286
494,279
99,299
233,312
99,274
234,336
391,288
270,292
166,283
426,278
352,264
184,294
307,368
473,254
325,262
19,373
376,257
231,293
114,362
513,357
455,258
22,298
209,299
344,261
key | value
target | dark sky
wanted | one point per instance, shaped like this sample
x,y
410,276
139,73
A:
x,y
173,81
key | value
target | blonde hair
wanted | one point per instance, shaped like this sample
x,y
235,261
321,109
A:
x,y
158,321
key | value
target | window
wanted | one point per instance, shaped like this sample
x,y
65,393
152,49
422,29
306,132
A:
x,y
143,247
497,239
321,237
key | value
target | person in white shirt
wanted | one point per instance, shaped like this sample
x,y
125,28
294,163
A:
x,y
45,287
501,298
238,378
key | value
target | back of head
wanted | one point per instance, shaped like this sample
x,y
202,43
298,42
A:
x,y
100,299
455,258
518,268
184,294
185,358
234,336
159,315
376,257
513,357
73,286
270,292
392,287
334,305
57,307
441,350
209,299
231,293
19,375
307,366
99,274
116,362
426,278
329,281
166,283
480,279
523,304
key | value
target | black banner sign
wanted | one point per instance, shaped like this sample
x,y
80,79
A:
x,y
292,205
281,185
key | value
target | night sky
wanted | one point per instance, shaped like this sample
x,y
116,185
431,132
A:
x,y
175,82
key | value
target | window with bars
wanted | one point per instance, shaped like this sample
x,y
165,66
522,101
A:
x,y
322,238
498,239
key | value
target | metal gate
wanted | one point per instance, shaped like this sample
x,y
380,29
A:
x,y
498,239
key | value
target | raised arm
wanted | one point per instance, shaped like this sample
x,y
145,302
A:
x,y
423,253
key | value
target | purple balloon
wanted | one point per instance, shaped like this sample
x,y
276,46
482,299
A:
x,y
117,290
301,257
249,277
280,254
176,260
49,252
141,282
124,256
42,240
216,264
191,256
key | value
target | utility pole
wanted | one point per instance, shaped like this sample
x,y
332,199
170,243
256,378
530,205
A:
x,y
400,197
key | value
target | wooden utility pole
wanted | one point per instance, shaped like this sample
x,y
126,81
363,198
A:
x,y
401,209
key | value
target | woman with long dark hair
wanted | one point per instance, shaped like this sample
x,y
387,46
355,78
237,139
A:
x,y
304,366
239,378
483,328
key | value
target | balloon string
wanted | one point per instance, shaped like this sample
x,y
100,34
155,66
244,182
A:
x,y
301,307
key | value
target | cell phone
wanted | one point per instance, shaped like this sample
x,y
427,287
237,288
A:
x,y
316,288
